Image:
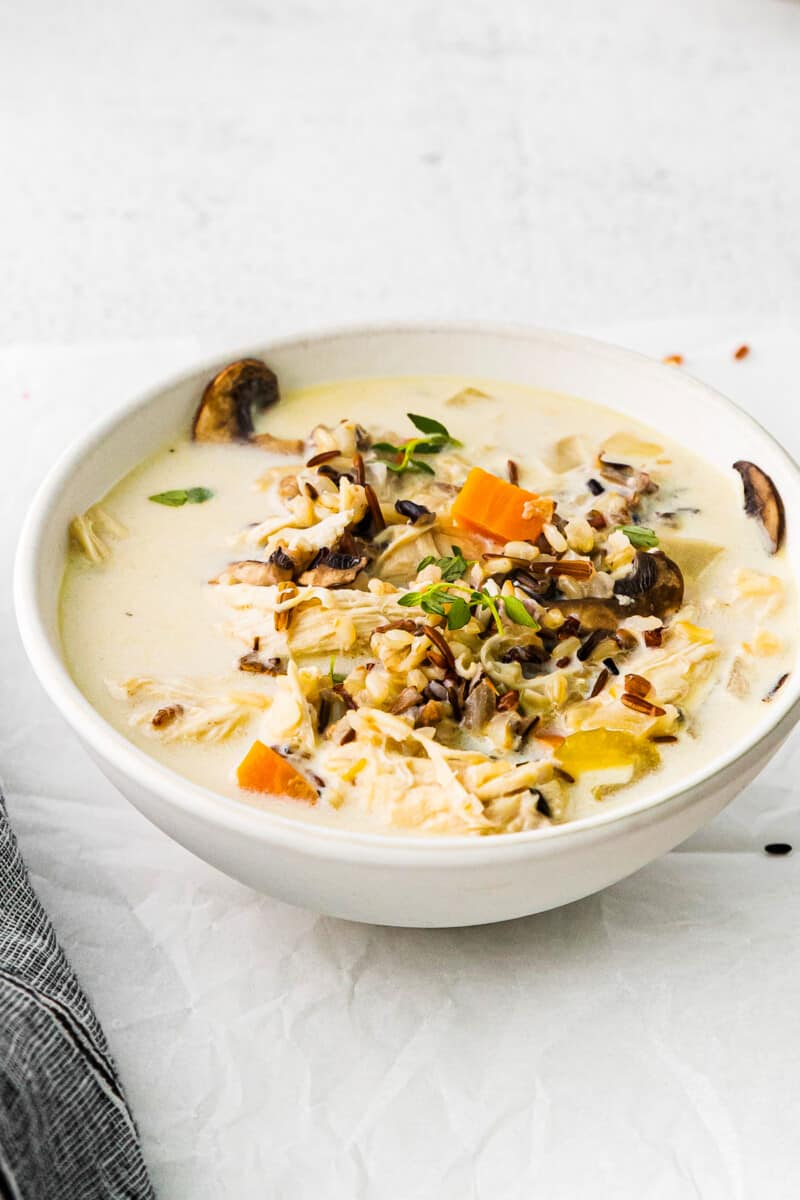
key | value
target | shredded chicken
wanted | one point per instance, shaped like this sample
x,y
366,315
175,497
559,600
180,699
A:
x,y
420,784
208,713
323,620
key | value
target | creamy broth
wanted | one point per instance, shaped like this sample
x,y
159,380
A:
x,y
148,610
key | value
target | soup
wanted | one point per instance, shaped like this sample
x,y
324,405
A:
x,y
427,605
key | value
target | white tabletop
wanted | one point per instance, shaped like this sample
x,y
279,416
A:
x,y
195,175
226,169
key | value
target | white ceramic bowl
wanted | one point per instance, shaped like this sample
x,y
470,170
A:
x,y
397,880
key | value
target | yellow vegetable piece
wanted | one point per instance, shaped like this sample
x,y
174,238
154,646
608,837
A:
x,y
605,750
694,633
349,775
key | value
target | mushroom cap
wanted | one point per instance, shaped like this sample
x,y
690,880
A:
x,y
480,706
256,572
655,585
762,500
225,413
333,568
654,588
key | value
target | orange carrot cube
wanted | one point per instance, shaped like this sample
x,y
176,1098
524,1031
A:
x,y
265,770
499,509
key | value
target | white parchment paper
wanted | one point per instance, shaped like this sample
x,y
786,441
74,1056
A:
x,y
640,1043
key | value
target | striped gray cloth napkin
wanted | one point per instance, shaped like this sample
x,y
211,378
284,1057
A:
x,y
66,1131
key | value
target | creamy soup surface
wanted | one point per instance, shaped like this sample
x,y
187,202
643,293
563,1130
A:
x,y
231,632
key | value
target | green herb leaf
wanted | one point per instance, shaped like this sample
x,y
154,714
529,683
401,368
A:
x,y
640,536
173,499
433,604
451,568
435,440
517,612
456,601
336,677
180,496
428,425
458,614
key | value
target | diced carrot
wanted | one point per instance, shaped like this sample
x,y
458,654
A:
x,y
499,509
265,770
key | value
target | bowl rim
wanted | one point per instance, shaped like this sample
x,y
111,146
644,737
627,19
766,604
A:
x,y
216,809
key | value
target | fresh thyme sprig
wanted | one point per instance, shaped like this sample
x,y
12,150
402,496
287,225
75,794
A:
x,y
640,536
451,568
435,440
458,601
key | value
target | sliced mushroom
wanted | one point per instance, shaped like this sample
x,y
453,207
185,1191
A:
x,y
332,569
226,409
435,690
282,561
655,585
253,571
414,512
536,588
643,576
762,500
408,698
480,706
654,588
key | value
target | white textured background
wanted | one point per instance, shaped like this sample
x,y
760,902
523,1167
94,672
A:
x,y
229,169
221,172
